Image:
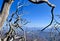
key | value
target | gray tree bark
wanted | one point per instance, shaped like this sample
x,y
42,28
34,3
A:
x,y
5,11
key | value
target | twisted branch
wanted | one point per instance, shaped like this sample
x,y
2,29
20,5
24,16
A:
x,y
51,20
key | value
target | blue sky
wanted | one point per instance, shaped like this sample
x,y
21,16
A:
x,y
38,15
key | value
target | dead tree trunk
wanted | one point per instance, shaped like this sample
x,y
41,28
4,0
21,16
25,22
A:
x,y
5,11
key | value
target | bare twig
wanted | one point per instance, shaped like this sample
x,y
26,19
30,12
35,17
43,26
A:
x,y
51,20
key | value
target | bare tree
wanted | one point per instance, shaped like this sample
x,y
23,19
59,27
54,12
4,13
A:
x,y
11,34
